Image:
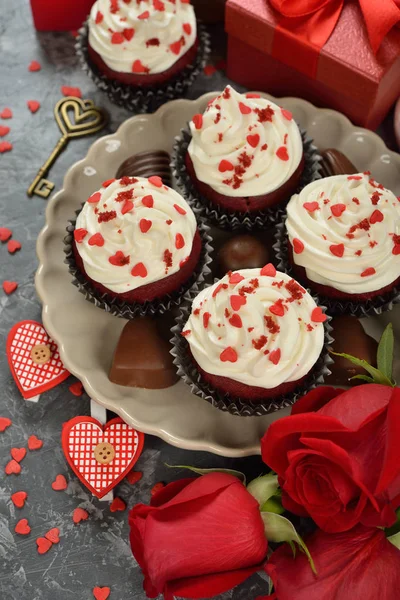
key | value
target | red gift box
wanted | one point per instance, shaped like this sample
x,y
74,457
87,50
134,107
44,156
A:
x,y
265,53
60,15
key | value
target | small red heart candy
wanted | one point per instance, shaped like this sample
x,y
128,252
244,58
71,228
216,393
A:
x,y
22,527
4,131
275,356
18,454
145,225
128,34
34,66
101,593
237,301
13,468
33,105
138,67
96,240
34,443
5,147
4,423
19,499
311,206
282,153
43,545
9,286
156,488
376,217
53,535
13,246
94,198
60,483
117,504
75,92
117,38
337,249
6,114
225,165
236,321
235,278
245,110
317,316
287,114
155,180
134,477
76,389
228,355
268,270
175,47
5,233
148,201
79,515
198,121
139,270
298,246
253,140
338,209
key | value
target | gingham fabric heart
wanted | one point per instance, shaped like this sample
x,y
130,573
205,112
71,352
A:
x,y
83,438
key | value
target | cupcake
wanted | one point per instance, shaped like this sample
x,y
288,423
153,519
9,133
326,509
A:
x,y
254,335
135,240
143,43
344,238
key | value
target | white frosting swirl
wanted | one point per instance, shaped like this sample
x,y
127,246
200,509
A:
x,y
155,233
348,225
276,307
262,146
155,32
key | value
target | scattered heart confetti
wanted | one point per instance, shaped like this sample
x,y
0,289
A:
x,y
209,70
9,286
34,66
4,423
71,91
5,234
33,105
156,488
18,454
117,505
5,147
22,527
19,499
34,443
13,246
134,477
43,545
4,131
6,114
60,483
76,388
101,593
12,468
79,514
53,535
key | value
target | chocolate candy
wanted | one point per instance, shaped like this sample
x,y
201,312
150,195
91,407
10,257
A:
x,y
350,337
241,252
335,162
146,164
142,358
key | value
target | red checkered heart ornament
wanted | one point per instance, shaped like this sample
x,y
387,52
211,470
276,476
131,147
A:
x,y
100,456
34,359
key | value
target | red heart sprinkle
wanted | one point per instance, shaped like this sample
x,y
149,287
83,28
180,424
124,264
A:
x,y
4,130
337,249
158,5
145,225
101,593
79,235
252,95
187,28
18,454
75,92
76,388
209,70
148,201
96,240
128,33
236,321
4,423
5,147
59,484
179,209
12,468
43,545
179,241
79,515
139,67
277,308
311,206
119,259
156,488
298,246
6,114
206,319
34,443
282,153
99,17
156,180
317,316
13,246
338,209
127,207
253,140
19,499
175,47
9,286
53,535
275,356
117,38
287,114
144,15
245,110
34,66
22,527
376,217
235,278
139,270
225,165
395,251
105,184
117,505
237,301
268,270
198,121
369,271
228,355
5,234
33,105
94,198
134,477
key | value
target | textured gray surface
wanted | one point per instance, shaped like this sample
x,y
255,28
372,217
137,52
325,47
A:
x,y
94,552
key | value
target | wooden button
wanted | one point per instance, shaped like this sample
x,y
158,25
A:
x,y
104,453
40,354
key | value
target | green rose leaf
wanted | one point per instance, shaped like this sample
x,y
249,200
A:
x,y
264,487
366,378
279,529
237,474
385,352
377,376
395,540
273,505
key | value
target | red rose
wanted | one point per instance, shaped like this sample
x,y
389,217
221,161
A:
x,y
198,538
338,455
359,565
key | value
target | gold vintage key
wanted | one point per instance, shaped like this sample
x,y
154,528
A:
x,y
86,119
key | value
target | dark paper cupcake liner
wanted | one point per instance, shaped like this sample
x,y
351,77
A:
x,y
143,99
234,221
158,306
190,375
334,307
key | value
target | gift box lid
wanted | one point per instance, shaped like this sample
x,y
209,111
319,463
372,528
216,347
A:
x,y
346,62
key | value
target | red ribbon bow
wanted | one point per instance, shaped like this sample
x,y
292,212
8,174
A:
x,y
312,21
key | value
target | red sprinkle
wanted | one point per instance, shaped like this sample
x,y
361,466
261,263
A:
x,y
76,388
237,301
228,355
179,209
156,488
268,270
235,278
144,15
264,114
278,308
167,259
75,92
260,342
338,209
225,165
206,318
4,423
187,28
139,67
139,270
275,356
94,198
317,316
79,514
375,198
4,131
175,47
337,249
34,66
376,217
148,201
209,70
244,109
287,114
354,177
105,184
99,17
18,454
134,477
22,527
43,545
127,207
34,443
158,5
59,484
145,225
12,468
106,216
117,505
236,321
128,34
198,121
9,287
156,181
19,499
252,95
221,286
5,234
5,147
117,38
13,246
253,140
96,240
271,324
298,246
282,153
368,272
119,259
311,206
102,593
179,241
6,113
186,332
